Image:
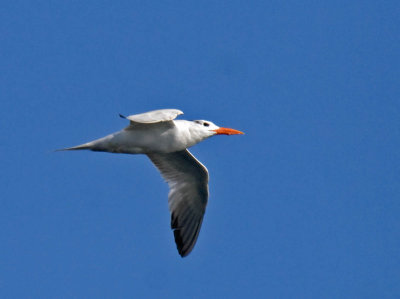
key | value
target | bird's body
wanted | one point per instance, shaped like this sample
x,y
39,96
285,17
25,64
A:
x,y
162,137
165,141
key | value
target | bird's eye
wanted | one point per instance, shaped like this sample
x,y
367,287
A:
x,y
206,124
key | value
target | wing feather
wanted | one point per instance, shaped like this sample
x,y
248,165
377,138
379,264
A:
x,y
188,196
155,116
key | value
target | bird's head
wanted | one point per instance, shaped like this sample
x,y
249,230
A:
x,y
207,129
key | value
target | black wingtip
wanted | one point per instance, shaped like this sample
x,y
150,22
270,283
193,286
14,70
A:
x,y
179,243
122,116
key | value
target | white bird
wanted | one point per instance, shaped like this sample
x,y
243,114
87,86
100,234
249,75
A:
x,y
165,141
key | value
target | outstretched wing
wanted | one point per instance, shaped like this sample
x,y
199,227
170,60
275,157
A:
x,y
188,182
155,116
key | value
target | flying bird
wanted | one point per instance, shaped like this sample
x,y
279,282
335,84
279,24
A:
x,y
166,141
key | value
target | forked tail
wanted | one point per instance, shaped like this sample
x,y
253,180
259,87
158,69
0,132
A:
x,y
85,146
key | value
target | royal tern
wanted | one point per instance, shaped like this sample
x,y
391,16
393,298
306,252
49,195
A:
x,y
165,141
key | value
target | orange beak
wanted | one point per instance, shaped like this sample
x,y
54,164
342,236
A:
x,y
227,131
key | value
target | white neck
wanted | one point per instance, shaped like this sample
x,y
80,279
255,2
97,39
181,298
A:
x,y
190,133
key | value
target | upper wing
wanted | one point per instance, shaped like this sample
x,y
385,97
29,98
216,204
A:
x,y
188,196
155,116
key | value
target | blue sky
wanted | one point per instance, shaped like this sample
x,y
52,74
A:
x,y
305,205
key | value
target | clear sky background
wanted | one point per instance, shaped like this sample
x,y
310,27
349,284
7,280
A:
x,y
305,205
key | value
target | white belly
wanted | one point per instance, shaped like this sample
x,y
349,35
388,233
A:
x,y
142,141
